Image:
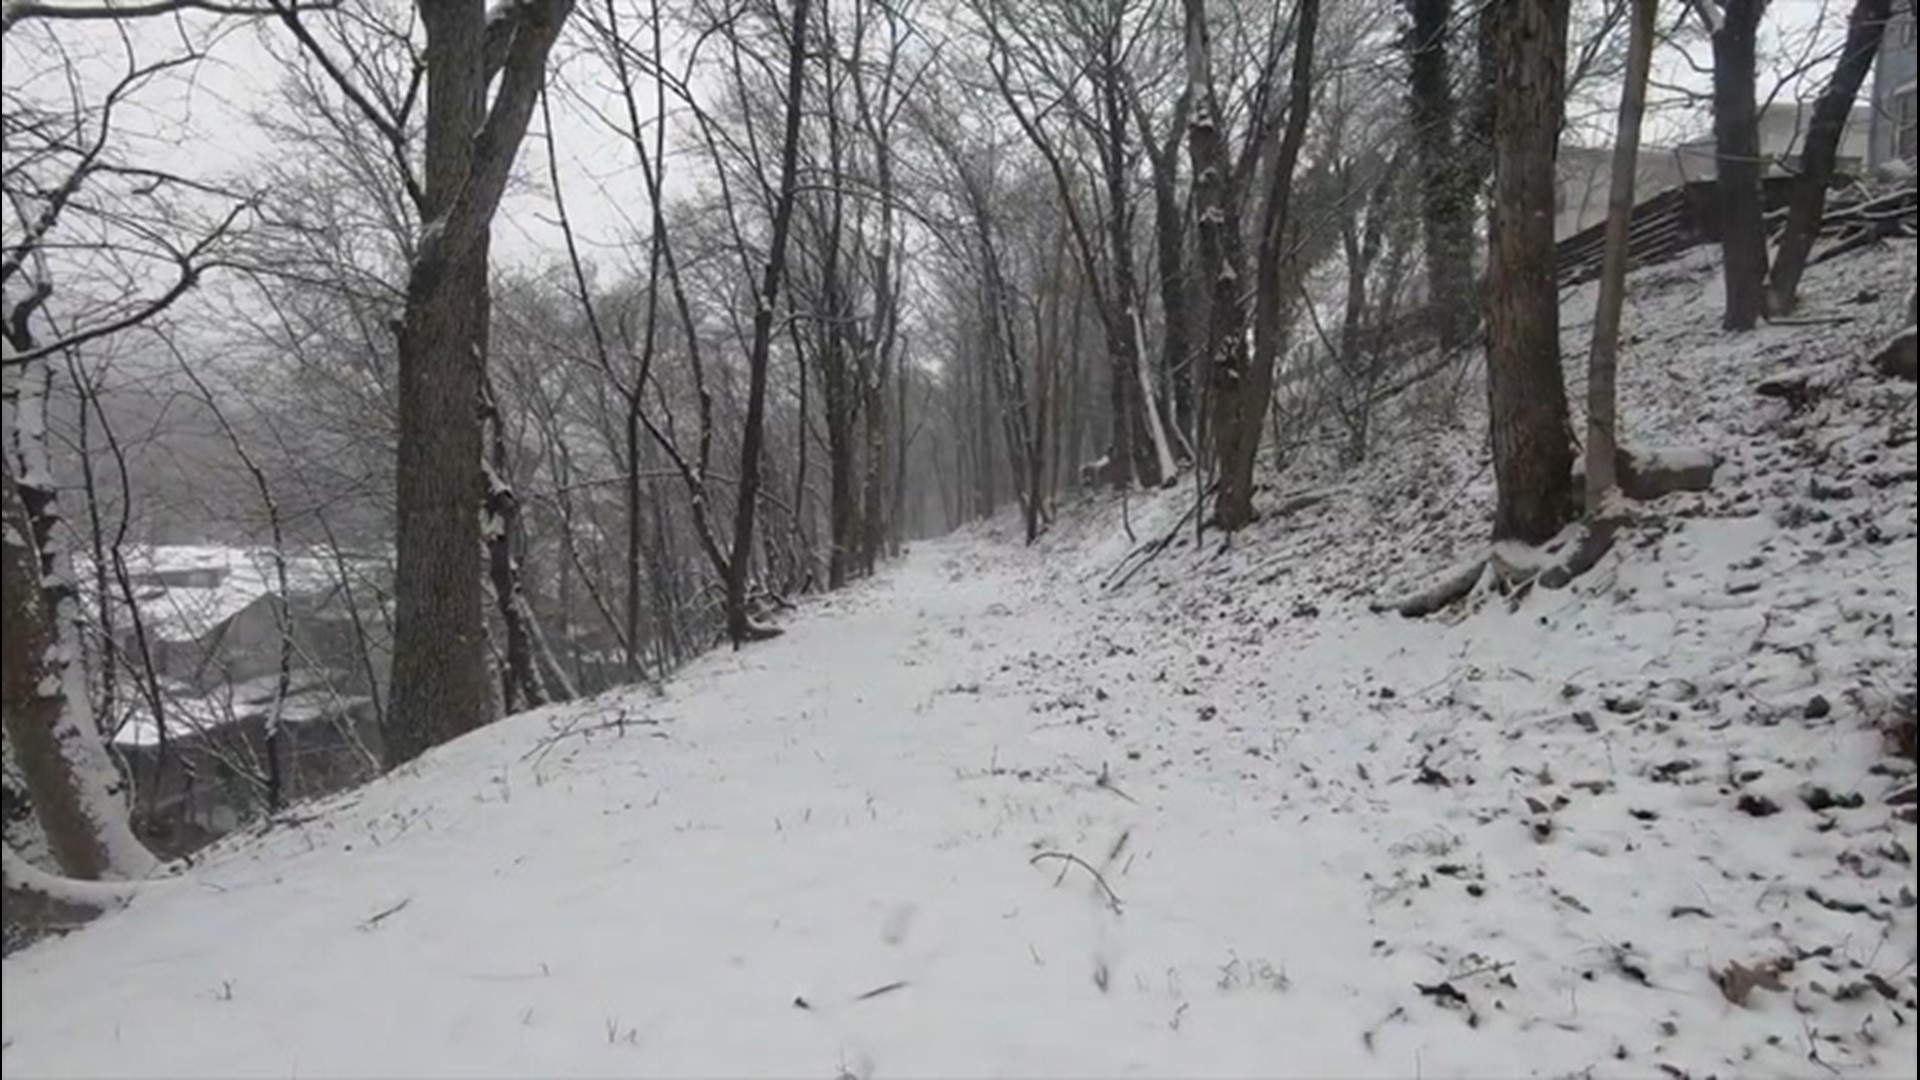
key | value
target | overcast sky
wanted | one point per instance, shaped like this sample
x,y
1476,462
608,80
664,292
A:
x,y
201,125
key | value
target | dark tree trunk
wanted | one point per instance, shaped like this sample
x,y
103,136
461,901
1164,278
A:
x,y
1604,363
1216,207
634,402
440,686
1532,456
33,691
740,628
439,667
1128,359
1736,137
1170,256
1865,27
842,513
1242,408
1446,183
523,682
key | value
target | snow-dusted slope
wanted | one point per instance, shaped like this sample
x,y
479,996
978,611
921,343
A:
x,y
985,816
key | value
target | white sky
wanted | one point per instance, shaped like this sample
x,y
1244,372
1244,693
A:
x,y
200,127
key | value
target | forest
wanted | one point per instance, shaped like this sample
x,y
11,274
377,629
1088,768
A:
x,y
375,371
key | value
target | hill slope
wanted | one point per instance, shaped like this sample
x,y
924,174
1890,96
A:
x,y
988,816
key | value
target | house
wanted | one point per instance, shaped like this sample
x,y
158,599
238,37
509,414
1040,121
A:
x,y
206,778
1783,129
212,623
1892,111
1585,173
1585,182
214,615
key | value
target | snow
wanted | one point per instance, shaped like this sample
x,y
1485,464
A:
x,y
987,815
310,696
233,578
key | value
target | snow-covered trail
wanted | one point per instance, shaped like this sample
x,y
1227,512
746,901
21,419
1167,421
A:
x,y
971,819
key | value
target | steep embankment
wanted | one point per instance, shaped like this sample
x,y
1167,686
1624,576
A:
x,y
988,816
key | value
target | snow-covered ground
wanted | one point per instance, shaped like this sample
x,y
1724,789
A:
x,y
990,815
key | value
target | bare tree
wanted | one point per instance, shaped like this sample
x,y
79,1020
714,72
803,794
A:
x,y
1242,383
1527,398
1865,27
1735,28
1446,188
439,671
741,628
1603,366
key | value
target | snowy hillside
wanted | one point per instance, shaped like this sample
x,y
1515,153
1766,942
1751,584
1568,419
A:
x,y
1002,813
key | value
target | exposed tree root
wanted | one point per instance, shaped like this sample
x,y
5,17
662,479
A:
x,y
1512,570
1139,557
43,903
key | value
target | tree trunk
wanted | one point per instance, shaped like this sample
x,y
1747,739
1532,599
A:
x,y
1865,27
1603,366
1170,256
1532,459
69,778
1245,407
439,666
740,628
1216,206
1147,444
1736,137
440,684
1446,185
525,679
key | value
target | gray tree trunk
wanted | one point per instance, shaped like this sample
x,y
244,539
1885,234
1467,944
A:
x,y
1532,457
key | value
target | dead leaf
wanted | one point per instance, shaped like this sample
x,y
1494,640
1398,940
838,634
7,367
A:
x,y
1737,981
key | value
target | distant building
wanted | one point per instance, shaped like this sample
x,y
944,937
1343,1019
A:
x,y
1783,130
1586,173
1585,183
212,624
1892,110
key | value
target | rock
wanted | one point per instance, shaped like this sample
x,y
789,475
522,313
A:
x,y
1757,805
1900,725
1818,707
1818,798
1896,359
1650,473
1796,388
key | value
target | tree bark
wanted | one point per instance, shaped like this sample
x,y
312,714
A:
x,y
440,684
740,627
1603,365
1532,458
1170,258
1243,407
62,759
1740,171
1216,205
1446,184
1808,203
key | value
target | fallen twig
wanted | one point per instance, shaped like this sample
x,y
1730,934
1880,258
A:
x,y
1113,898
898,984
374,920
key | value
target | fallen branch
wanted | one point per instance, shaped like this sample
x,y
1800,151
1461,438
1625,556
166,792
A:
x,y
880,990
376,918
1113,898
1513,569
539,751
1147,552
1453,586
46,901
